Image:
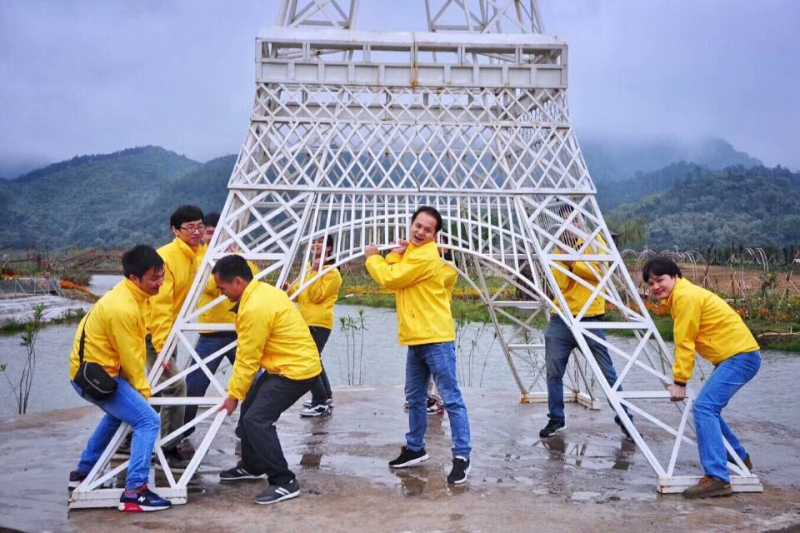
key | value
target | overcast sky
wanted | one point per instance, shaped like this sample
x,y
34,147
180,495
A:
x,y
80,77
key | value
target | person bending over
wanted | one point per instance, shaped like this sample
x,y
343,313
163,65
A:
x,y
110,340
272,337
705,324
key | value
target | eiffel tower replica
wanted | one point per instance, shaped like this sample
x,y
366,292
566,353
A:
x,y
351,131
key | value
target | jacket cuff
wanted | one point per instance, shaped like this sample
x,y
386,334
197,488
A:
x,y
681,383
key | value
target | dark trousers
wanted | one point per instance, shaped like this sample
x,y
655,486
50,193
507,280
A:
x,y
268,398
321,389
197,382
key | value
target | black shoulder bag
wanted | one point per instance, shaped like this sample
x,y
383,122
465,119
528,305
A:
x,y
92,378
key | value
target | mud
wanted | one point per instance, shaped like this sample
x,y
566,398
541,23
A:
x,y
589,478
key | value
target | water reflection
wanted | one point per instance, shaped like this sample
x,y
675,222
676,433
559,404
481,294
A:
x,y
586,454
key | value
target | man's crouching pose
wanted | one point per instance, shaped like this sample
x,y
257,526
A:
x,y
705,324
274,337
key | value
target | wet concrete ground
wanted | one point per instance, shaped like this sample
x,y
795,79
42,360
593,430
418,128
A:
x,y
589,478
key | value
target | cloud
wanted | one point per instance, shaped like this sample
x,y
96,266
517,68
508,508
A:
x,y
97,76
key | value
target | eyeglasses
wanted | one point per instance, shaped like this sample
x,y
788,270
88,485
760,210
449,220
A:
x,y
193,228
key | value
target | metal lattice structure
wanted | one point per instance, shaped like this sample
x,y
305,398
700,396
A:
x,y
476,124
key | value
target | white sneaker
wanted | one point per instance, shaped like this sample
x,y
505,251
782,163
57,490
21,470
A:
x,y
316,411
309,403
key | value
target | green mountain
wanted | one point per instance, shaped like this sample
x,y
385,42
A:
x,y
206,187
733,207
119,199
611,194
87,201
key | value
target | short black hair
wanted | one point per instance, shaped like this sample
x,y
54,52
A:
x,y
185,213
428,210
660,266
328,241
139,259
232,266
211,219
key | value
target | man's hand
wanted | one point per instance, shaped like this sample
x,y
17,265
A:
x,y
677,393
400,247
230,405
370,250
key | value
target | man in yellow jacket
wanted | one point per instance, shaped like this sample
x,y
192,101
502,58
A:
x,y
274,337
426,327
112,335
705,324
559,341
181,260
316,304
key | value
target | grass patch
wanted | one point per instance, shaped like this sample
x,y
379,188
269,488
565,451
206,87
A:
x,y
467,309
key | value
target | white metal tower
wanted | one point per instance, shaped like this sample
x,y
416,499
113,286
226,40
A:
x,y
351,131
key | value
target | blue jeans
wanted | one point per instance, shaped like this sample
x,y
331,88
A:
x,y
197,382
558,344
437,361
725,381
129,406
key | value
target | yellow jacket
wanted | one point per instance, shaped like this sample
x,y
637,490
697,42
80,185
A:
x,y
576,294
223,312
449,278
423,301
316,303
705,324
115,330
180,267
273,336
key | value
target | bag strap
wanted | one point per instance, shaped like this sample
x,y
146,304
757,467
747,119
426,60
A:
x,y
83,339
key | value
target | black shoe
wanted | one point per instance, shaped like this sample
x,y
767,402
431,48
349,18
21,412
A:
x,y
185,449
747,462
75,479
278,493
618,421
408,458
434,406
238,473
552,427
176,463
458,474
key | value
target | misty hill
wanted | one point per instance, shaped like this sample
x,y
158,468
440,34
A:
x,y
611,160
206,187
736,206
611,194
126,197
79,202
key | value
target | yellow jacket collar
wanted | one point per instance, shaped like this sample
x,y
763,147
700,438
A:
x,y
185,248
248,290
680,284
412,246
138,294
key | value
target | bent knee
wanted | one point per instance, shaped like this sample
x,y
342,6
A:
x,y
701,408
252,421
149,421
